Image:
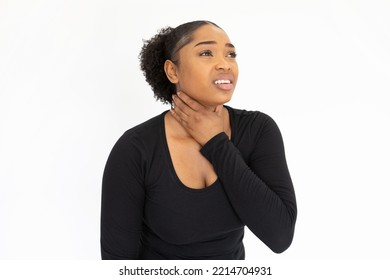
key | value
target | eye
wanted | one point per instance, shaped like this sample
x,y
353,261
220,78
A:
x,y
232,54
206,53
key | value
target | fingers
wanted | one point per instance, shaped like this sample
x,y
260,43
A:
x,y
176,115
184,106
201,122
194,105
180,109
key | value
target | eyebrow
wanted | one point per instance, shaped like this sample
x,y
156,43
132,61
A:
x,y
230,45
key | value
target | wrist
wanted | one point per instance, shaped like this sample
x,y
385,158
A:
x,y
204,141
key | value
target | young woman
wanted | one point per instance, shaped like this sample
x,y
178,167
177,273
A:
x,y
184,184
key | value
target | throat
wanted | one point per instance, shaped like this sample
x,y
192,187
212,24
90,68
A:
x,y
176,129
192,169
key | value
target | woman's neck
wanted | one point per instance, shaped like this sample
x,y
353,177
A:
x,y
178,131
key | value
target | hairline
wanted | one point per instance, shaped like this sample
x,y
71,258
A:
x,y
186,39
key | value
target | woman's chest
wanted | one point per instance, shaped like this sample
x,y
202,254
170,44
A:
x,y
180,215
191,168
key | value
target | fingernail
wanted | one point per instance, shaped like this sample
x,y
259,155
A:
x,y
178,93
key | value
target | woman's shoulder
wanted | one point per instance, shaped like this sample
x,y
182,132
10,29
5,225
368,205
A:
x,y
143,133
253,118
146,127
250,126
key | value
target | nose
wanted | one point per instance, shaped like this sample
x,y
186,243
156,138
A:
x,y
223,64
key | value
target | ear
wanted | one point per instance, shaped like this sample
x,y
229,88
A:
x,y
170,69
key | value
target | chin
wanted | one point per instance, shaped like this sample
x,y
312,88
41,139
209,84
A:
x,y
226,98
216,100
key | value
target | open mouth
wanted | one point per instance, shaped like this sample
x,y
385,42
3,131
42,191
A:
x,y
221,82
224,84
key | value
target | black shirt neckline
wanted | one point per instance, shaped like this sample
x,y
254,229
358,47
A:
x,y
216,183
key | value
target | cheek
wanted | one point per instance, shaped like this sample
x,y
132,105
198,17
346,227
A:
x,y
191,81
235,69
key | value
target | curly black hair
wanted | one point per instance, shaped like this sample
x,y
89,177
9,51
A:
x,y
163,46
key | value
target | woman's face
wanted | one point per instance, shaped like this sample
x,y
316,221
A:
x,y
207,70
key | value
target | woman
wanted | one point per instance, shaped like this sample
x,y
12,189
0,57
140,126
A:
x,y
183,184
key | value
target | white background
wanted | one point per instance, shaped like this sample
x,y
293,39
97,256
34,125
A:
x,y
70,85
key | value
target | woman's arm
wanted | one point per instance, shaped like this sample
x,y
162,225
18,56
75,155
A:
x,y
122,202
261,191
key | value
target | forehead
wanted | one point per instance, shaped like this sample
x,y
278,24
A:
x,y
209,32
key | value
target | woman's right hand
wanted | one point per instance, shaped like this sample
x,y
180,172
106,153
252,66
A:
x,y
201,122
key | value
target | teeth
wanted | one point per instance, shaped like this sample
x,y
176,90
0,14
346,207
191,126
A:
x,y
218,82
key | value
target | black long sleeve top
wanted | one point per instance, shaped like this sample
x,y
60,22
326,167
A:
x,y
148,213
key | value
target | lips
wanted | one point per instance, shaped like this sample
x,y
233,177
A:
x,y
220,82
224,82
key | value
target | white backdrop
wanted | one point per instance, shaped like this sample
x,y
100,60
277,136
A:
x,y
70,85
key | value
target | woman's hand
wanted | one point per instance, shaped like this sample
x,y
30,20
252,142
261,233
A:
x,y
201,123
